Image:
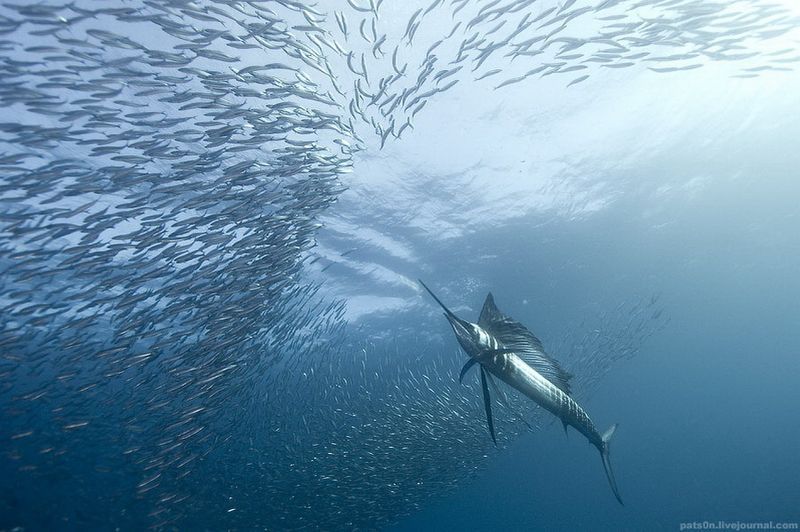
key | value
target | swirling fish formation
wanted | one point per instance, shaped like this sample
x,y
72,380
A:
x,y
363,439
163,168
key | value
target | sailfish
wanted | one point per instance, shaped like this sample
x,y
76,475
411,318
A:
x,y
504,348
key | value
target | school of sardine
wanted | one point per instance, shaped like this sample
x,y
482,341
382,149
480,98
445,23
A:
x,y
163,169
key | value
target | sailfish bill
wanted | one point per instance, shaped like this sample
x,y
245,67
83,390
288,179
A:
x,y
504,348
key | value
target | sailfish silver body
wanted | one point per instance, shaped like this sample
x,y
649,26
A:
x,y
510,368
505,349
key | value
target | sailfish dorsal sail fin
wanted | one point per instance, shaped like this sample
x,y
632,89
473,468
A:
x,y
513,335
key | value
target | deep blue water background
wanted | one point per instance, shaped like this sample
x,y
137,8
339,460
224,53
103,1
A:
x,y
707,411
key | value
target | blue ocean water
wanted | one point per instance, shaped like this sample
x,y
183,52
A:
x,y
213,217
704,435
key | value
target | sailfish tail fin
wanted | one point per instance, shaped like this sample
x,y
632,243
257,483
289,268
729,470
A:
x,y
604,454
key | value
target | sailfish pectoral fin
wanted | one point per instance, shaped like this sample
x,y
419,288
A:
x,y
487,402
471,362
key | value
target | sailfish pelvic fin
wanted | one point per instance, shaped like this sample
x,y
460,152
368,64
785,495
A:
x,y
487,402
